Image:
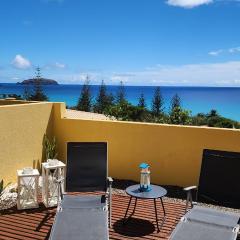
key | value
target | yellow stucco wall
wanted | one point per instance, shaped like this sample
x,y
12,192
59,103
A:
x,y
174,152
22,128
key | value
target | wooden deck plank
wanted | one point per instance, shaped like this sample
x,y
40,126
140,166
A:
x,y
36,224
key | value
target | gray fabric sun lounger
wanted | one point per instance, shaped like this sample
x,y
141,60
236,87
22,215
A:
x,y
80,219
203,223
84,216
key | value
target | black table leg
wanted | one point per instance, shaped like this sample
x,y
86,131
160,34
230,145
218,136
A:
x,y
163,207
129,203
156,214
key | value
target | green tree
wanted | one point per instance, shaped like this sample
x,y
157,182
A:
x,y
200,119
126,112
213,113
26,93
175,102
121,96
38,93
85,99
177,114
141,101
104,100
157,103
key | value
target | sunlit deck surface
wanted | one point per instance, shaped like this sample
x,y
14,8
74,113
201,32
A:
x,y
37,223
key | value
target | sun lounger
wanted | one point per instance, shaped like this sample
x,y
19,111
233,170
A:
x,y
84,217
203,223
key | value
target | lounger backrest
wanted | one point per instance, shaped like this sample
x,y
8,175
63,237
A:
x,y
86,166
220,177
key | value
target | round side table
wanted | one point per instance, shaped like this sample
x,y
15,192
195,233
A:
x,y
155,193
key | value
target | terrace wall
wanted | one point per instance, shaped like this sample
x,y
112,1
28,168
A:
x,y
174,152
22,127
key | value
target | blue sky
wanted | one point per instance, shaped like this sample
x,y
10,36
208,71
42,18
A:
x,y
141,42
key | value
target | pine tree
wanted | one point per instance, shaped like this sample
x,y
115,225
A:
x,y
121,97
175,102
103,101
177,114
157,103
26,93
85,99
38,93
141,101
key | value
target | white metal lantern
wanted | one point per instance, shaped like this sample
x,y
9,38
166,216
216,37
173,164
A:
x,y
145,178
27,188
52,170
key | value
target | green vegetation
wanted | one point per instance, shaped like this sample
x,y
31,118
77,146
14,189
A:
x,y
38,93
157,103
2,187
123,110
213,119
121,98
177,114
16,96
141,101
104,100
50,147
85,99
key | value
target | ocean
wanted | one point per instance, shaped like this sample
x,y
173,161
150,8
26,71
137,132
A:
x,y
225,100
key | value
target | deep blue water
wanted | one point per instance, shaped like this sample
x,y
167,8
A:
x,y
197,99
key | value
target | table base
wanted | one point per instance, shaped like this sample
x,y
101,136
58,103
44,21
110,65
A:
x,y
126,219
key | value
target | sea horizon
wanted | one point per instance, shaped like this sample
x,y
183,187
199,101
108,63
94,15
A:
x,y
126,85
197,99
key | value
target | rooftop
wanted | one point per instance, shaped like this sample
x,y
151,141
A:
x,y
74,114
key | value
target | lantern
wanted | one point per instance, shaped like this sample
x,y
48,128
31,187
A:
x,y
51,171
27,188
145,178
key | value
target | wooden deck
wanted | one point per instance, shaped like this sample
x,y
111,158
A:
x,y
36,224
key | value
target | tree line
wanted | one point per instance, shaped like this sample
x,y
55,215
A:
x,y
120,108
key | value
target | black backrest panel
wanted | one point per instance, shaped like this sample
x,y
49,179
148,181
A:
x,y
86,166
220,178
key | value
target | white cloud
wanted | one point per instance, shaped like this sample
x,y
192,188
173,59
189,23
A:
x,y
215,53
234,50
15,78
55,66
59,65
208,74
211,74
229,50
20,62
188,3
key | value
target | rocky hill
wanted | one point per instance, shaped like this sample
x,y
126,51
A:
x,y
42,81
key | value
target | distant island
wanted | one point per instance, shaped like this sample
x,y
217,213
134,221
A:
x,y
42,81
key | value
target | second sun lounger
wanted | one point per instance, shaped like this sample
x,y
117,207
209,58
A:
x,y
203,223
